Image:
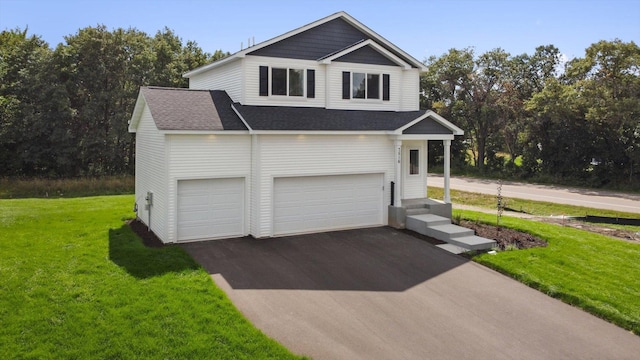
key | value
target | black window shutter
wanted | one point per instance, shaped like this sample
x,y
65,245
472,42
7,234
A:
x,y
311,83
264,80
385,87
346,88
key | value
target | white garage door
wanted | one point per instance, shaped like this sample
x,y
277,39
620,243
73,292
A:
x,y
210,208
319,203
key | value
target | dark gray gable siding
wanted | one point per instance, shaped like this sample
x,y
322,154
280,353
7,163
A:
x,y
314,43
427,126
366,55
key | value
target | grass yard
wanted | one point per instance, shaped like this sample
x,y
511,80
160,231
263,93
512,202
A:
x,y
594,272
538,208
77,283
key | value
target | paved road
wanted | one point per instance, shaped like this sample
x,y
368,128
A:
x,y
556,194
383,294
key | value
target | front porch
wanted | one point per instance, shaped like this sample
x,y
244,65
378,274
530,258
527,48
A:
x,y
432,218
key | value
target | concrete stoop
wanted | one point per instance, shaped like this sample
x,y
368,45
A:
x,y
458,238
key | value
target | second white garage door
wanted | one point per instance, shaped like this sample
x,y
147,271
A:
x,y
210,208
320,203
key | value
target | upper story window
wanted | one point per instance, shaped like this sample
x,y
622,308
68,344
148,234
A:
x,y
287,82
365,86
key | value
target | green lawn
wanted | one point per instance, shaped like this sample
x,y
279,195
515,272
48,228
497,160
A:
x,y
75,282
594,272
538,208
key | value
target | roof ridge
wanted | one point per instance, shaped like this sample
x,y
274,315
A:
x,y
171,88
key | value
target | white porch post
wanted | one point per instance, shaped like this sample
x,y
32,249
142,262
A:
x,y
447,170
426,167
398,150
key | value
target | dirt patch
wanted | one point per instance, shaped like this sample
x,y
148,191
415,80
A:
x,y
149,239
505,238
627,235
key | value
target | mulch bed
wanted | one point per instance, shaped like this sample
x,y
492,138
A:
x,y
505,237
149,239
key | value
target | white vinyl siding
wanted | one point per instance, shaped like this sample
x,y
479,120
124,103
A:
x,y
321,203
309,155
251,78
206,157
334,87
151,174
410,90
226,77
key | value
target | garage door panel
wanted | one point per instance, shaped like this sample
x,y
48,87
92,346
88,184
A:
x,y
307,204
210,208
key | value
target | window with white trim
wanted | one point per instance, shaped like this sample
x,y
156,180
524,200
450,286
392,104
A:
x,y
287,82
356,85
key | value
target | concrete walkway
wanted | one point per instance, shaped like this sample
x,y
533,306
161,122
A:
x,y
599,199
383,294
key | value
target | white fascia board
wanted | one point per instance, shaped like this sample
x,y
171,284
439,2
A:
x,y
399,130
243,52
240,54
233,57
386,53
429,113
317,132
141,102
242,118
204,132
422,137
456,130
375,35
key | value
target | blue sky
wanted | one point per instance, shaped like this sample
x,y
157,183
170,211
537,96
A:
x,y
422,28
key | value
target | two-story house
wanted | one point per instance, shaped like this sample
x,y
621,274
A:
x,y
302,133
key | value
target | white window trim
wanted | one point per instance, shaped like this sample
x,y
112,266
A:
x,y
366,99
304,83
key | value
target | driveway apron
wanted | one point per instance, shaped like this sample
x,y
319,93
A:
x,y
380,293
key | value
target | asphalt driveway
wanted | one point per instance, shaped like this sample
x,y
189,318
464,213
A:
x,y
383,294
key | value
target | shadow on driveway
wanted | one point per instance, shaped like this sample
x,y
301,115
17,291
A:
x,y
374,259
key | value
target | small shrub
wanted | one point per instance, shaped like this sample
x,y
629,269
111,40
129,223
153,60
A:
x,y
456,218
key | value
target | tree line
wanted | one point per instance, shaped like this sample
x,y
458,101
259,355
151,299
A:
x,y
530,116
64,111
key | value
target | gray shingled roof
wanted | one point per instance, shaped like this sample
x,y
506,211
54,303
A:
x,y
321,119
185,109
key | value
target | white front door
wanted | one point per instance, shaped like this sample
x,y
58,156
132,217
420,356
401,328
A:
x,y
413,172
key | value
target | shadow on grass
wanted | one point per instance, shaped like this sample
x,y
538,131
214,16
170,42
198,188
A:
x,y
127,251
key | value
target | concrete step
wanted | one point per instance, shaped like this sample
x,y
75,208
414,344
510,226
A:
x,y
420,223
472,242
417,211
452,248
431,219
447,232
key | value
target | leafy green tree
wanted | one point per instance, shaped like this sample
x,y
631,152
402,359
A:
x,y
34,112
